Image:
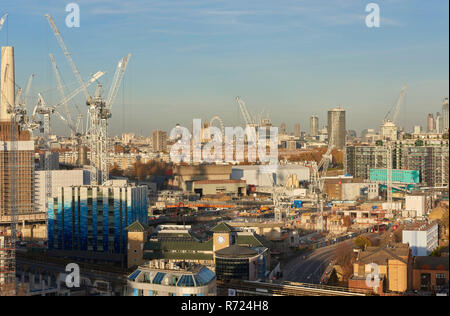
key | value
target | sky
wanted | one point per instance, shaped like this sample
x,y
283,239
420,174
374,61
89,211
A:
x,y
287,59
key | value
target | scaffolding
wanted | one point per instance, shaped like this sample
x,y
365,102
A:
x,y
8,243
7,267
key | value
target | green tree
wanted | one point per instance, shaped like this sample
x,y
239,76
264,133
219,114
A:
x,y
362,242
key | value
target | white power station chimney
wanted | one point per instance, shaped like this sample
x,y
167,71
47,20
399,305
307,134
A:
x,y
7,83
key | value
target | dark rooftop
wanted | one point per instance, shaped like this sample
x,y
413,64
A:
x,y
237,251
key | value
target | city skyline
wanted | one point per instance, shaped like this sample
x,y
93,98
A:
x,y
291,60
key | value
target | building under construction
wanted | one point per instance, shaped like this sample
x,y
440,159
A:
x,y
16,149
16,172
428,157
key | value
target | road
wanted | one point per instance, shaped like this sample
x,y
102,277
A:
x,y
311,269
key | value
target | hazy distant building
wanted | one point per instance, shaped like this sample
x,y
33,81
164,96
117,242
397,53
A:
x,y
297,131
336,127
314,126
438,123
445,115
417,129
283,129
351,134
159,140
430,123
388,131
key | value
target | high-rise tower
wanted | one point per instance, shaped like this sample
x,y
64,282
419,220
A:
x,y
314,126
336,127
445,116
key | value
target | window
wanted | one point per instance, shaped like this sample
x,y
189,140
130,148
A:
x,y
425,281
440,280
158,278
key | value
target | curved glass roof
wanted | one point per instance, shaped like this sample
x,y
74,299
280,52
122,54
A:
x,y
204,277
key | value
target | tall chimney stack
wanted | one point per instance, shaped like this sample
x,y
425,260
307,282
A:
x,y
7,82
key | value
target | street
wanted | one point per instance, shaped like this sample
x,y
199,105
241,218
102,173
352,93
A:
x,y
311,269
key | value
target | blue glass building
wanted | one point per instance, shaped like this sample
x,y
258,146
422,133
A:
x,y
94,218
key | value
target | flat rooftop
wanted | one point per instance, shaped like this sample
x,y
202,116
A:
x,y
419,226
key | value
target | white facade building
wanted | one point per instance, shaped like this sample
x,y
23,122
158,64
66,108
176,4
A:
x,y
60,178
253,175
422,238
416,205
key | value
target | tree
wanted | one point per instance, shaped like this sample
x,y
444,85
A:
x,y
333,280
362,242
344,258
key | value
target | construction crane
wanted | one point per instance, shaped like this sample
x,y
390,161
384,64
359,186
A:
x,y
68,57
63,96
396,107
249,120
318,178
389,150
2,20
46,111
99,111
99,114
76,137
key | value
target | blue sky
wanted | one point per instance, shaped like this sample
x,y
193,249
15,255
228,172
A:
x,y
290,59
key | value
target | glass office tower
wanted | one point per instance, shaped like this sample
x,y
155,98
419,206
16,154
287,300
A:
x,y
94,218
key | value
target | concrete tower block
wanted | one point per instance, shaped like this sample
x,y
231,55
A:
x,y
7,82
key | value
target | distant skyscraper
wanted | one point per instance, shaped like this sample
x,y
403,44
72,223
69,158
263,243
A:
x,y
283,129
438,122
336,127
430,123
313,126
297,131
159,140
445,115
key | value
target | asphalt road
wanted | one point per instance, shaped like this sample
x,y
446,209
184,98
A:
x,y
311,269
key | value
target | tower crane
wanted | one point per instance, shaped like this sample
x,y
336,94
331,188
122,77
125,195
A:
x,y
99,111
99,114
318,178
68,57
389,150
75,136
2,20
63,96
249,120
